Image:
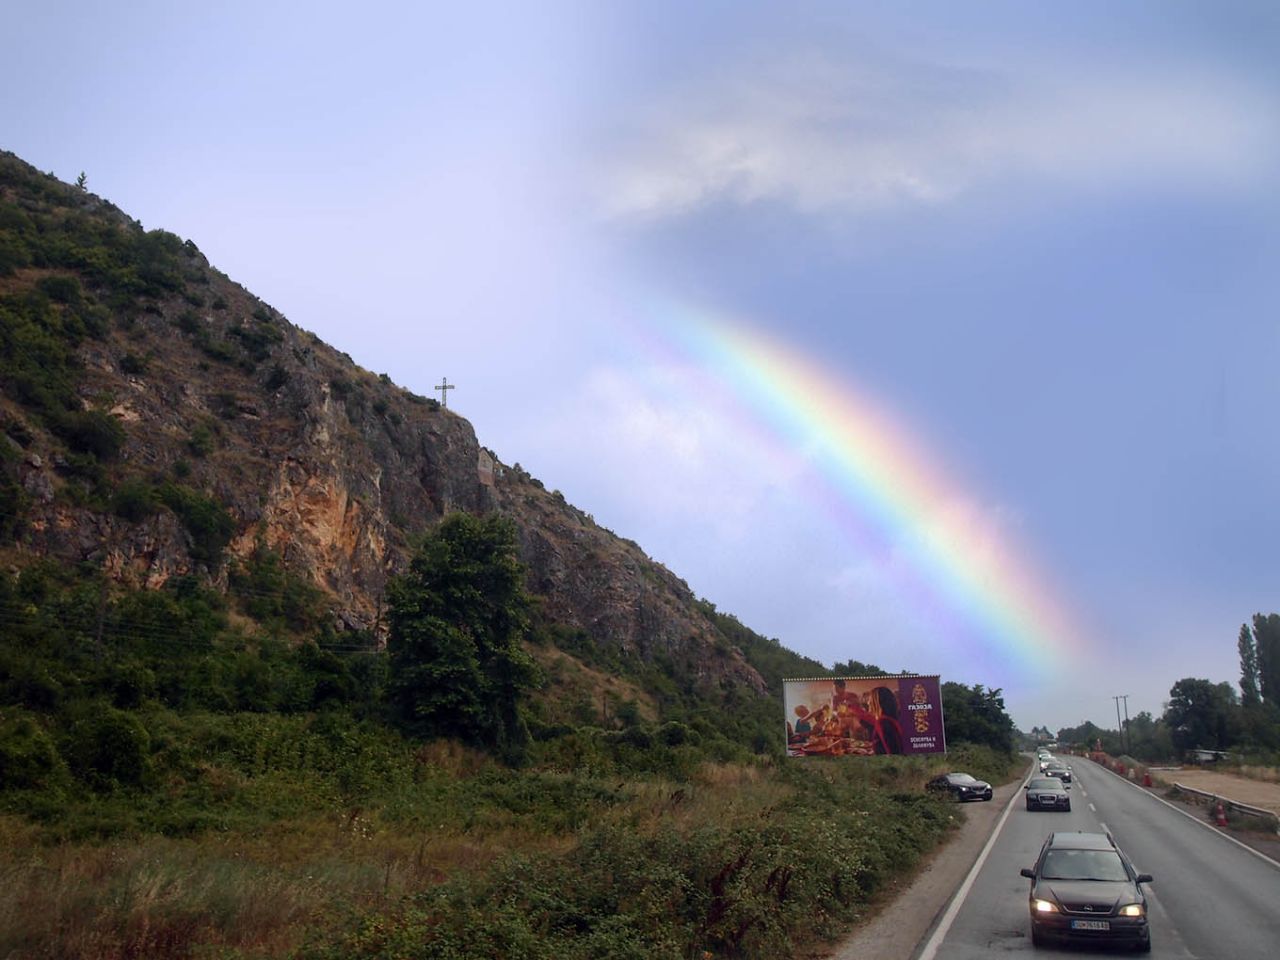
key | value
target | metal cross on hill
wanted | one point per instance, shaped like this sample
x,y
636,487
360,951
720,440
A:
x,y
443,386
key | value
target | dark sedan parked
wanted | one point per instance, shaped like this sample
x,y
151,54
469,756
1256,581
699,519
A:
x,y
1047,793
961,786
1084,889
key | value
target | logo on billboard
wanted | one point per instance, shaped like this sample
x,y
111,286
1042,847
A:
x,y
920,707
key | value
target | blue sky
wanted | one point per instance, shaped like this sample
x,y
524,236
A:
x,y
1044,237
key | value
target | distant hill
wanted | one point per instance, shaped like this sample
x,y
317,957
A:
x,y
160,422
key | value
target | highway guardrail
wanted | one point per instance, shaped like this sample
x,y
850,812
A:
x,y
1230,804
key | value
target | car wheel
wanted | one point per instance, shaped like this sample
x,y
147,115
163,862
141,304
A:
x,y
1037,939
1030,807
1144,946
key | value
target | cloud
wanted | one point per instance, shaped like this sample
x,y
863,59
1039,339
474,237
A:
x,y
660,444
822,136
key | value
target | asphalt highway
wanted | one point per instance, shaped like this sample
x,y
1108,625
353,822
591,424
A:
x,y
1211,898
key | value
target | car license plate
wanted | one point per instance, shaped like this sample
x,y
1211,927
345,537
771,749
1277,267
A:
x,y
1090,925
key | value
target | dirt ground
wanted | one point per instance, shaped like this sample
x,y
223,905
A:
x,y
1256,793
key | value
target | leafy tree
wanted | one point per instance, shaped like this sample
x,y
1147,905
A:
x,y
108,747
275,596
457,617
856,668
206,521
976,715
1149,738
1202,714
1266,636
1250,693
1087,736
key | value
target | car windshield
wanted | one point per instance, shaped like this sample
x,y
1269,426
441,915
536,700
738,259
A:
x,y
1044,783
1083,865
961,778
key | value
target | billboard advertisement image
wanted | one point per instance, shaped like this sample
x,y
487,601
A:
x,y
863,716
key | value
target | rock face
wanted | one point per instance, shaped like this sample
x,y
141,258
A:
x,y
333,467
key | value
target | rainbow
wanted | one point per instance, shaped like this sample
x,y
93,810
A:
x,y
883,489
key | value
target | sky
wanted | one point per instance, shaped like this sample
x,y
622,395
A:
x,y
937,336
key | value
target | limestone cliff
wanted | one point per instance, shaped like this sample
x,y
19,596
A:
x,y
332,466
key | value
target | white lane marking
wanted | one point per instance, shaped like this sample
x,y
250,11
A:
x,y
931,948
1093,808
1196,820
1105,828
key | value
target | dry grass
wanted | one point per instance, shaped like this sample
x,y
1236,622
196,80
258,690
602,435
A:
x,y
260,894
252,896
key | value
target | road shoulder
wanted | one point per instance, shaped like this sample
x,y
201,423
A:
x,y
895,934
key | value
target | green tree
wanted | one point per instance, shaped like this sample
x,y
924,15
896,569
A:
x,y
1266,638
1250,691
1088,735
1202,714
1149,738
976,715
458,617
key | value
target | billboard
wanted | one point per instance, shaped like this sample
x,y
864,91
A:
x,y
863,716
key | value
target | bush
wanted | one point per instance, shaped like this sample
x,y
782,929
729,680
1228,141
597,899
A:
x,y
91,431
60,288
107,747
201,441
29,759
206,521
134,500
134,365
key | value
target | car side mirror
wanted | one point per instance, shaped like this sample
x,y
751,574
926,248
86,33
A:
x,y
1144,878
1028,873
1026,786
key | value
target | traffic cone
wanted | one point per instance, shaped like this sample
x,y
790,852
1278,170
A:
x,y
1220,815
1146,779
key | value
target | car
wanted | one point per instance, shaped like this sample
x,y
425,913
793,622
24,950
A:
x,y
961,786
1084,889
1047,793
1059,770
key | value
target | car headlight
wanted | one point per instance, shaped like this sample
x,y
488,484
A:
x,y
1131,910
1044,906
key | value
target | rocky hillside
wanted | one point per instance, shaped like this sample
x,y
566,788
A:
x,y
159,420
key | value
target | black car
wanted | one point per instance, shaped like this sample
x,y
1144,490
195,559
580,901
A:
x,y
1059,770
1084,889
1047,793
961,786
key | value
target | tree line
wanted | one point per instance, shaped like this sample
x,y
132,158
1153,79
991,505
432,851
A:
x,y
1203,715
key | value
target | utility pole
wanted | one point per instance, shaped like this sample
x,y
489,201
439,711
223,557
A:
x,y
1125,697
1127,740
443,386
